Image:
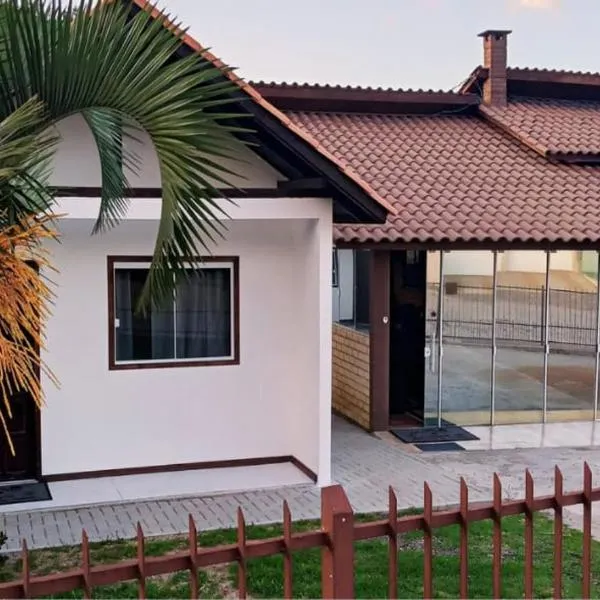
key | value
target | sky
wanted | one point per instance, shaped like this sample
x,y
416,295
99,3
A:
x,y
429,44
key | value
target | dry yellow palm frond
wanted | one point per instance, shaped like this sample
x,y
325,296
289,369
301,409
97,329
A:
x,y
25,299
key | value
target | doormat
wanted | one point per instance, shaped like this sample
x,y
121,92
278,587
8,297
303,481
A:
x,y
428,435
440,447
36,491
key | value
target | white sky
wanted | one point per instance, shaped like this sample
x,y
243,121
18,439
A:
x,y
390,43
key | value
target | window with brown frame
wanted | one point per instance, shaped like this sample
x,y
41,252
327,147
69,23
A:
x,y
199,326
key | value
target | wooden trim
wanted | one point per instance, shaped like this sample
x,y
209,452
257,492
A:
x,y
302,467
37,424
449,246
177,467
355,196
556,77
154,192
379,340
361,100
112,363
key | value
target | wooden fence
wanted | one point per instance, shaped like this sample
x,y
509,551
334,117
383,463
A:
x,y
336,538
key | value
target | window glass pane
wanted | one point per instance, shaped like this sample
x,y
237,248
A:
x,y
520,336
467,337
334,268
140,337
362,268
204,314
432,337
345,293
572,320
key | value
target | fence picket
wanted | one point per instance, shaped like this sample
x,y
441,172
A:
x,y
464,539
427,543
85,565
497,538
193,547
586,585
288,585
558,532
392,544
337,558
241,546
528,567
26,571
141,562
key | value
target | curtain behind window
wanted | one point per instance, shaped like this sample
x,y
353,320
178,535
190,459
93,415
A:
x,y
140,337
204,314
124,315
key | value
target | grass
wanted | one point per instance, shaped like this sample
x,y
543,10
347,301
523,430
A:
x,y
371,560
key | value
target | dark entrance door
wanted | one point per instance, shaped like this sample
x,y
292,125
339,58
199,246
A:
x,y
24,429
407,333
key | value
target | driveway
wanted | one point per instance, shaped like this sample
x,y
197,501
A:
x,y
365,465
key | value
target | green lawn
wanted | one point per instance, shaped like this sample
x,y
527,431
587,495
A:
x,y
265,575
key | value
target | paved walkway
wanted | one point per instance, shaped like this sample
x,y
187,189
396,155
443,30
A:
x,y
363,464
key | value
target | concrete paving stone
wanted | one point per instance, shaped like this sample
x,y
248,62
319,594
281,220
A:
x,y
364,464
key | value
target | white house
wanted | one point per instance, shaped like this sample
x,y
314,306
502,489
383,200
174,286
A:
x,y
238,371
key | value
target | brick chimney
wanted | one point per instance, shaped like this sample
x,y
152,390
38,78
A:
x,y
495,61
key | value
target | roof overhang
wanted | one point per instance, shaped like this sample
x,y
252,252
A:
x,y
540,83
307,97
288,148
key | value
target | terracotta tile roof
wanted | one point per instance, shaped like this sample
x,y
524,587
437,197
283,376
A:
x,y
195,46
566,129
458,178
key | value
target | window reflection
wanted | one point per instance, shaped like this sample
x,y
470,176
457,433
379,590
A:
x,y
520,337
467,337
432,338
572,325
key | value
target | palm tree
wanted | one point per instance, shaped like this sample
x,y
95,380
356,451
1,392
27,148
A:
x,y
117,71
25,295
116,68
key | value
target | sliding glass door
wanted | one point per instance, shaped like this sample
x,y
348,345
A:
x,y
512,337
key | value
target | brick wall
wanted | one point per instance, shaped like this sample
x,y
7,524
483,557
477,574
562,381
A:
x,y
351,382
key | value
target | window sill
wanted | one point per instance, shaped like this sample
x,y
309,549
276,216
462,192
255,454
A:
x,y
173,365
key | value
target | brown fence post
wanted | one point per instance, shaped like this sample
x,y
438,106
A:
x,y
337,558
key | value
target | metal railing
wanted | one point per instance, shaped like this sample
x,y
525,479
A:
x,y
520,315
336,537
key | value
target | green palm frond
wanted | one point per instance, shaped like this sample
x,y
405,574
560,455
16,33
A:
x,y
24,156
118,71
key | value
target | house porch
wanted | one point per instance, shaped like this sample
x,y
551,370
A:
x,y
503,337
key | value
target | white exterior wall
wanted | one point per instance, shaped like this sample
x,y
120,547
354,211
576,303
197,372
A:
x,y
272,404
276,402
77,163
534,261
470,262
481,262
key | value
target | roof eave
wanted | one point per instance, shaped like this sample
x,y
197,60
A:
x,y
579,158
371,206
325,98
